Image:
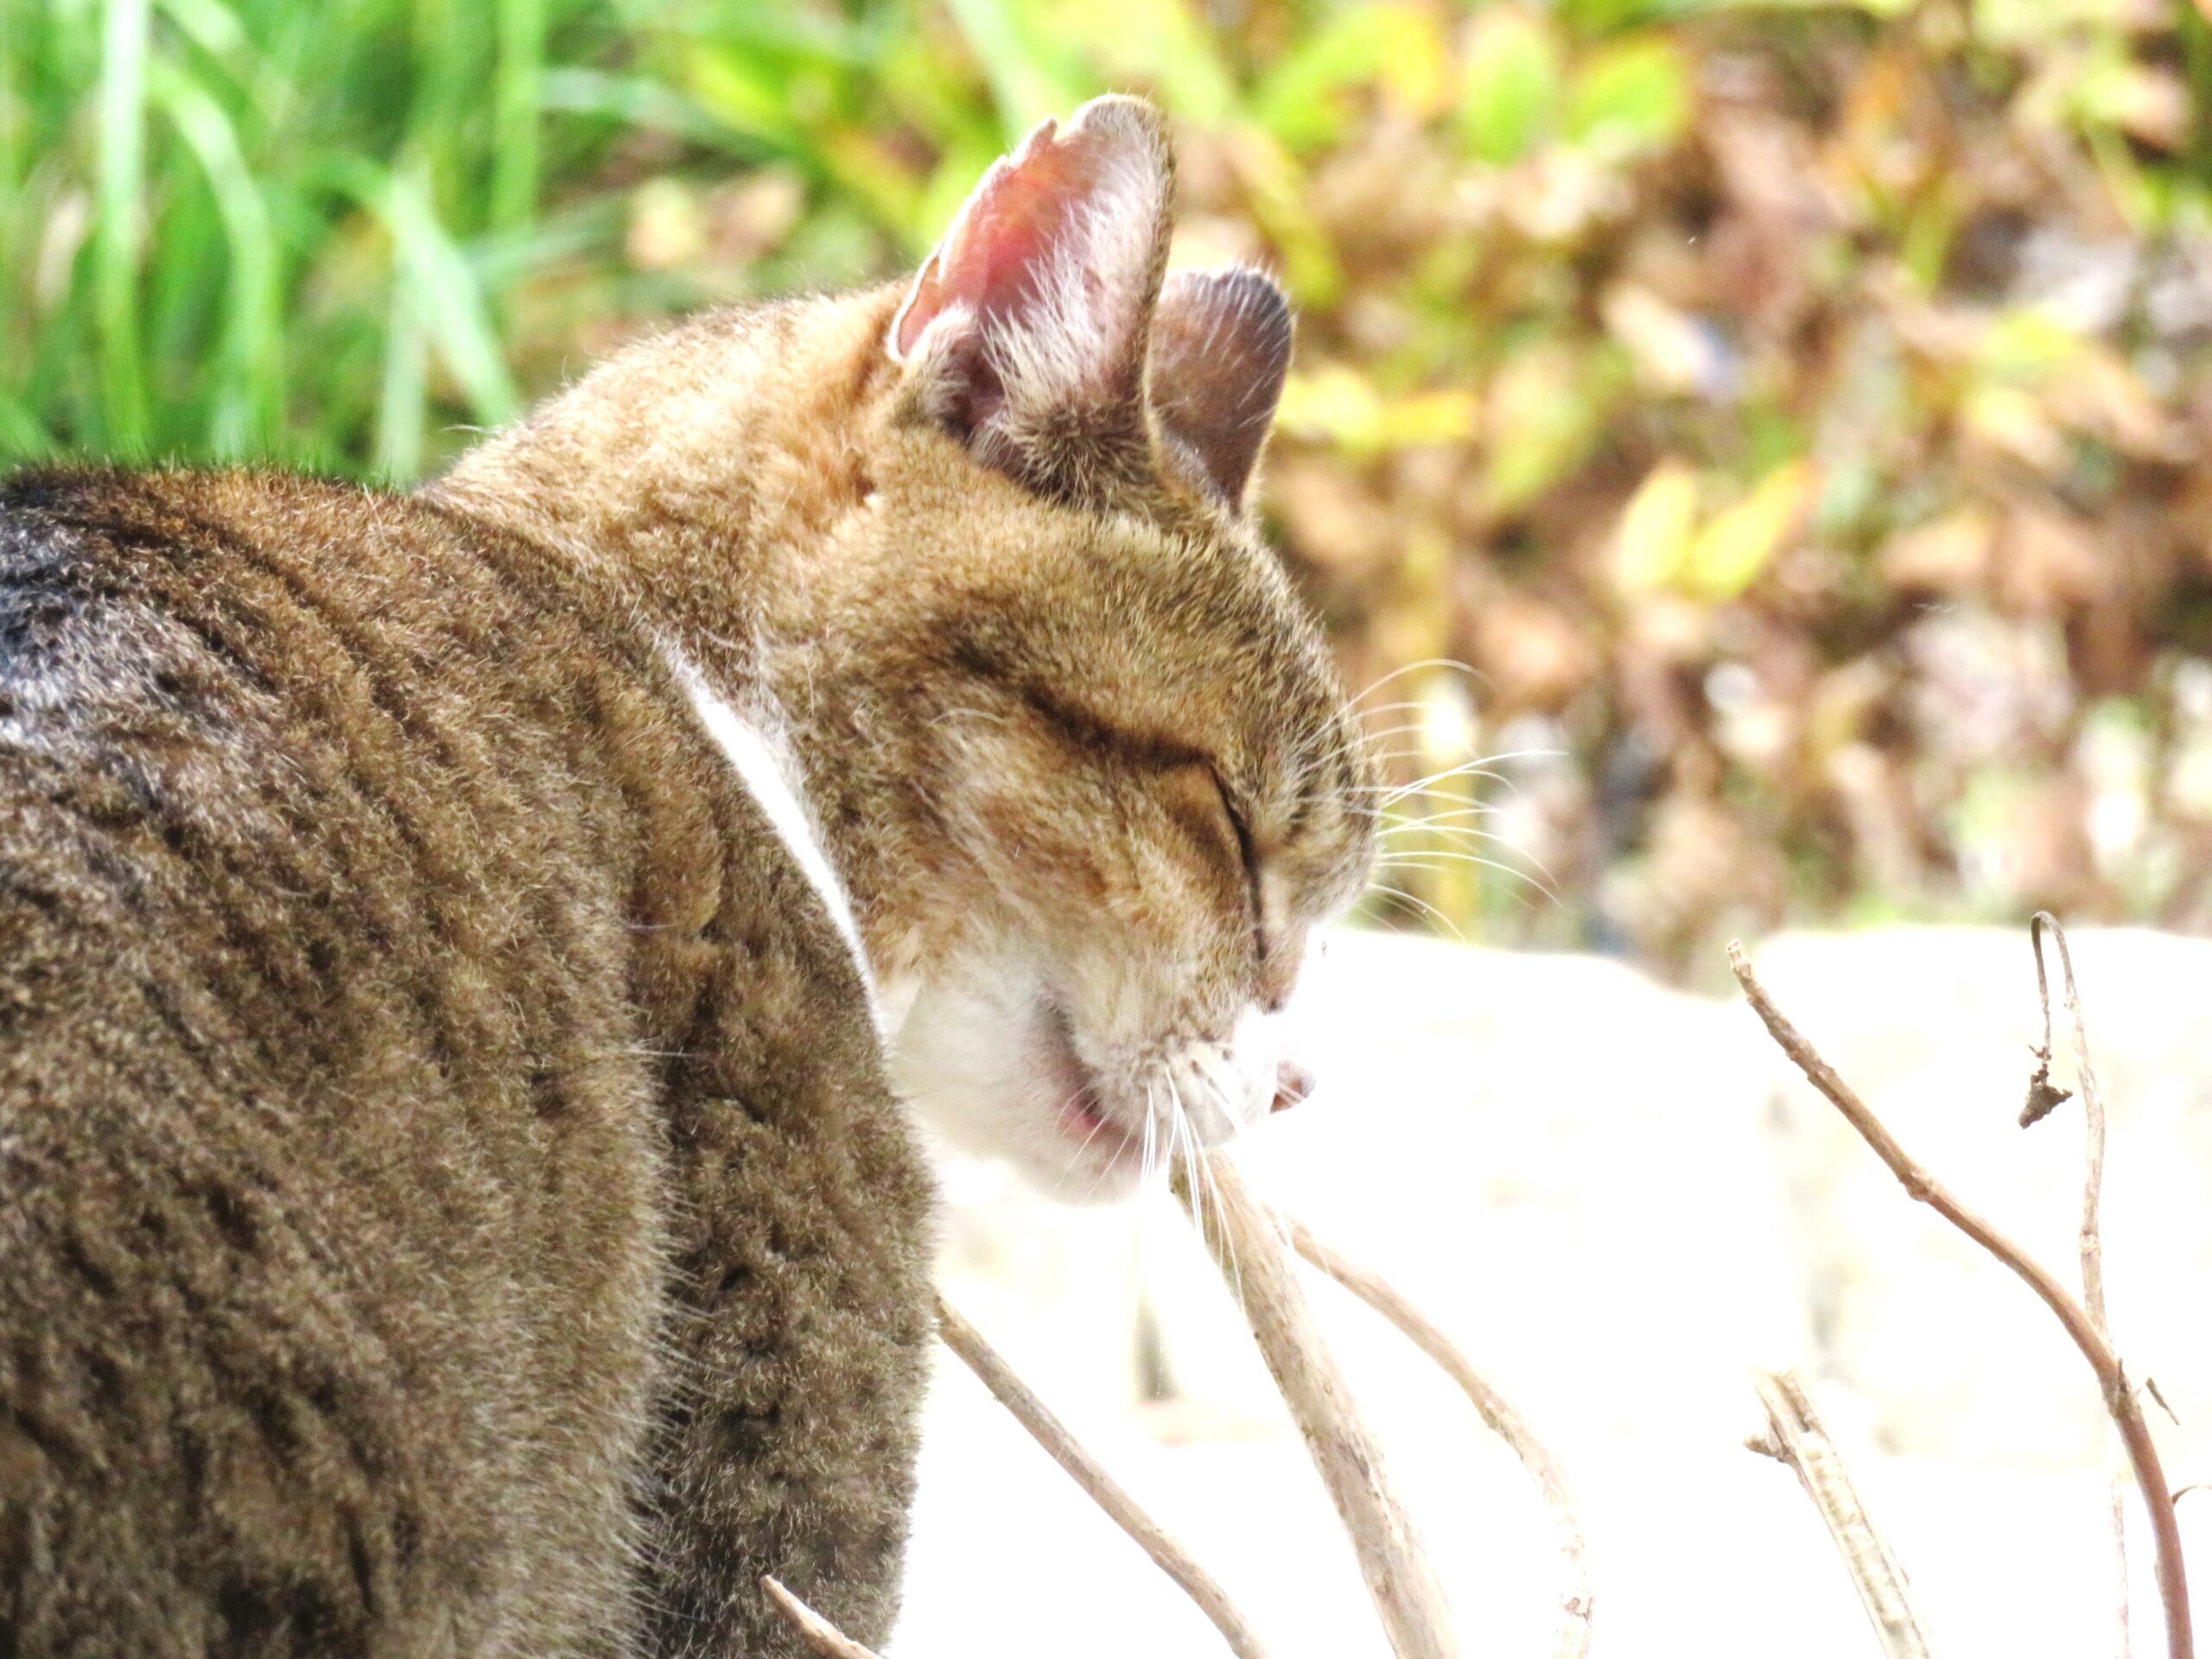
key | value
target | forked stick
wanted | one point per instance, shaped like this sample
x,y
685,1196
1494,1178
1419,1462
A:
x,y
1577,1599
1795,1436
1037,1417
2120,1397
1253,1256
821,1636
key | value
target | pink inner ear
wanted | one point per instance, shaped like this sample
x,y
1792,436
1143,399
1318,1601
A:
x,y
1007,233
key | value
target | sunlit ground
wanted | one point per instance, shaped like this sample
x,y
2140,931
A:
x,y
1619,1202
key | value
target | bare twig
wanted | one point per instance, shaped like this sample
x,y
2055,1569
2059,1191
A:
x,y
1050,1433
2119,1396
2151,1387
1577,1599
2044,1097
1796,1436
1253,1256
821,1636
2091,1238
2092,1112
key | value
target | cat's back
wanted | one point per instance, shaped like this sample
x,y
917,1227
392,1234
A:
x,y
334,783
450,1203
327,1196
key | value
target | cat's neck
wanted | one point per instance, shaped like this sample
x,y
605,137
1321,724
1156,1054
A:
x,y
708,482
702,474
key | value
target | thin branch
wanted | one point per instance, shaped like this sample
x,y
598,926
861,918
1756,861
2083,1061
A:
x,y
1253,1256
1578,1599
1155,1541
2091,1238
2092,1111
2151,1387
1797,1437
2119,1398
821,1636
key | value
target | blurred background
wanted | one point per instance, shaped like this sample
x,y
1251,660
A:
x,y
1772,438
1791,417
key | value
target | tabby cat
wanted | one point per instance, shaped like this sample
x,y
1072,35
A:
x,y
464,958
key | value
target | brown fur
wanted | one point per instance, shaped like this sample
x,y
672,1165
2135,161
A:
x,y
451,1202
421,1078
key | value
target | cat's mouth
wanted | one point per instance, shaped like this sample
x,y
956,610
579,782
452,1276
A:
x,y
1082,1114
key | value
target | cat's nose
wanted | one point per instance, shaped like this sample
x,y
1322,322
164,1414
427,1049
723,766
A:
x,y
1292,1084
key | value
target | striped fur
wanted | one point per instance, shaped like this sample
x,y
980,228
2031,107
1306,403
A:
x,y
444,1159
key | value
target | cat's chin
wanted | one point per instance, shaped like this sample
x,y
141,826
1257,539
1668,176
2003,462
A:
x,y
988,1062
1096,1161
1099,1159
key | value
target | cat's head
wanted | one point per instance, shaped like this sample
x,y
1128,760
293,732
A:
x,y
1105,774
982,545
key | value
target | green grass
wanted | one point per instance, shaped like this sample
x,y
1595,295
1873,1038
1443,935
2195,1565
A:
x,y
232,227
341,234
256,227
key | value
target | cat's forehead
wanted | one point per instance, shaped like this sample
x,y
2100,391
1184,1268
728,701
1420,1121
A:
x,y
1215,597
1164,612
1213,624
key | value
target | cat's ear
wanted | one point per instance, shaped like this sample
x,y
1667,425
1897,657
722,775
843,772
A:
x,y
1220,348
1027,327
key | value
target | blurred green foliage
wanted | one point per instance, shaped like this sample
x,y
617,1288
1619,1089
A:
x,y
252,226
1794,414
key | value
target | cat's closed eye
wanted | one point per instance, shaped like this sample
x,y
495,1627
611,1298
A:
x,y
1201,800
1249,858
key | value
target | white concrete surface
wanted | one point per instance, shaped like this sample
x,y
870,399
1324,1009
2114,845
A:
x,y
1620,1200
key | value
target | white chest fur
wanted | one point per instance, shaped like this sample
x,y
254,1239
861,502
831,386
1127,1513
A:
x,y
758,748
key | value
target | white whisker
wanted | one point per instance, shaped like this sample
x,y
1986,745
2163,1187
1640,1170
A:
x,y
1414,862
1402,897
1414,668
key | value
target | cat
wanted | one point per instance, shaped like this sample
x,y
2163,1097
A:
x,y
466,957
